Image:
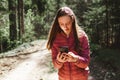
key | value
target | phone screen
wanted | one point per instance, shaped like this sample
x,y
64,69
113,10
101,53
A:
x,y
64,49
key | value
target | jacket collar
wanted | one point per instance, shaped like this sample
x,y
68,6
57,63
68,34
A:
x,y
63,34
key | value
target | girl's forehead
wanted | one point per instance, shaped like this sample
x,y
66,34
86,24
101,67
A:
x,y
67,18
64,19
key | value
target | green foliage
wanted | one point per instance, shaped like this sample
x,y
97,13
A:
x,y
94,19
95,14
39,15
101,24
29,32
4,29
94,47
3,4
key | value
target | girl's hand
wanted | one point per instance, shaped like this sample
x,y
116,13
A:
x,y
62,57
72,57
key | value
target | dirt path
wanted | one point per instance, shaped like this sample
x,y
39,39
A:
x,y
35,66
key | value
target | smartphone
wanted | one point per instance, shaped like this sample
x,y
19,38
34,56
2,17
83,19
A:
x,y
64,49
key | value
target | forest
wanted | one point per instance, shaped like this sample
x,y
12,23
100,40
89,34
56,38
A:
x,y
23,21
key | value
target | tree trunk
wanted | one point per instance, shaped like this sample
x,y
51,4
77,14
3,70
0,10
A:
x,y
12,19
107,24
20,18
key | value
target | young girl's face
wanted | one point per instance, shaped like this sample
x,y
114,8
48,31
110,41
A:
x,y
65,23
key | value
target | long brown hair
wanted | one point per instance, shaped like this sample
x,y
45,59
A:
x,y
56,28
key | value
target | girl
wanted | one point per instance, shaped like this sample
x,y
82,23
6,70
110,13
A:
x,y
71,65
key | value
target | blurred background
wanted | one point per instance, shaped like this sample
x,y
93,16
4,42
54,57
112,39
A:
x,y
24,21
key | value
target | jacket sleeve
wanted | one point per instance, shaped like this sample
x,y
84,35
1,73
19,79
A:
x,y
56,63
84,56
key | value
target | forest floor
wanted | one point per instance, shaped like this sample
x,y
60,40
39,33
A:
x,y
32,63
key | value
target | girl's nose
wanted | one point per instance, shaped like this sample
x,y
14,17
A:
x,y
65,26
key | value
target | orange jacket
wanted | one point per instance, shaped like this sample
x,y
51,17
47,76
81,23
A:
x,y
72,70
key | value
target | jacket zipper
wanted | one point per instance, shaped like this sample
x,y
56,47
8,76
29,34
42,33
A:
x,y
69,62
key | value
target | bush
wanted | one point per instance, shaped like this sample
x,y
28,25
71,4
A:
x,y
94,47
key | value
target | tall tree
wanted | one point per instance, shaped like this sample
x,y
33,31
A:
x,y
107,23
20,18
12,19
115,21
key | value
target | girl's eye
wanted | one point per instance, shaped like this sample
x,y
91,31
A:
x,y
61,24
68,23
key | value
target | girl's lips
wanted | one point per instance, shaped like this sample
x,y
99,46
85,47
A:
x,y
66,29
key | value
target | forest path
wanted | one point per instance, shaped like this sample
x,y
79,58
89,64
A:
x,y
35,66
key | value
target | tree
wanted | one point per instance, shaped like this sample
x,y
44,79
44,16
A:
x,y
20,18
102,22
12,19
114,18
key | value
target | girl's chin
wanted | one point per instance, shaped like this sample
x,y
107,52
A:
x,y
67,33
